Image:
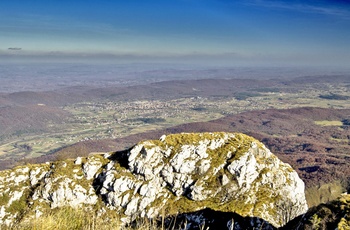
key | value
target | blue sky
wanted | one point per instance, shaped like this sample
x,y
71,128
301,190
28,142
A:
x,y
251,32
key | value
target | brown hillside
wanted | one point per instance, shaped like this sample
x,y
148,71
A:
x,y
318,153
15,120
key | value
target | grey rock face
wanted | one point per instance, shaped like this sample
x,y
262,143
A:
x,y
236,170
175,174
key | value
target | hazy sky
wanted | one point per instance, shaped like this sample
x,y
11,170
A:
x,y
232,31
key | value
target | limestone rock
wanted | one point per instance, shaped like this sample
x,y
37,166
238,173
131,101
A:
x,y
218,170
176,174
90,168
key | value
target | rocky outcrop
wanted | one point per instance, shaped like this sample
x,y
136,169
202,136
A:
x,y
176,174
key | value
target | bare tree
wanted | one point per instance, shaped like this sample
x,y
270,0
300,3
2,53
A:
x,y
287,211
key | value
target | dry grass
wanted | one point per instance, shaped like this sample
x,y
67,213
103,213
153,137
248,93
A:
x,y
70,218
66,218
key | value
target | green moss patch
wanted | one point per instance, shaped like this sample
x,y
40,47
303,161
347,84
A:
x,y
329,123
